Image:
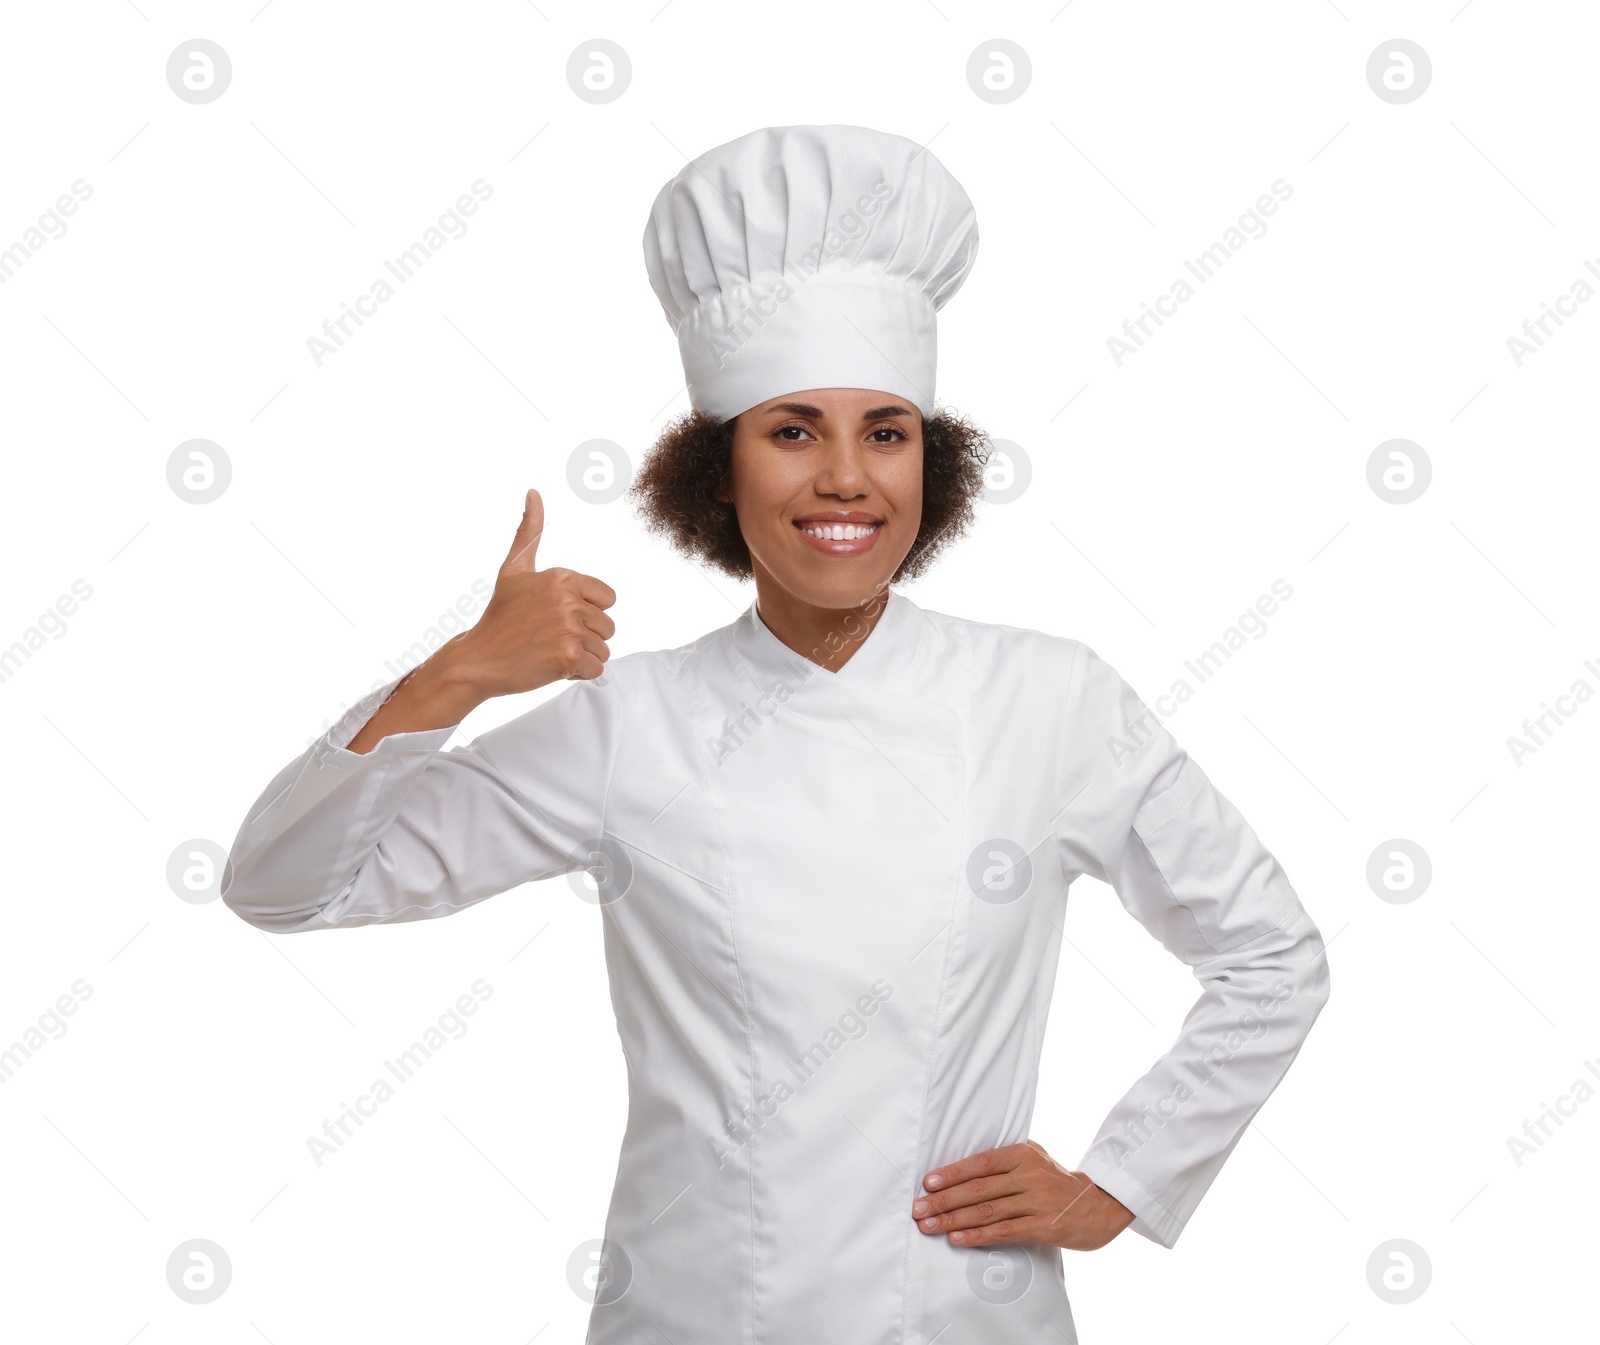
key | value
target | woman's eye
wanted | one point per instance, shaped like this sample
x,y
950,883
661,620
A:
x,y
895,433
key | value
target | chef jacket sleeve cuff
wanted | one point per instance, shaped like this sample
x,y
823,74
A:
x,y
328,761
1151,1219
332,748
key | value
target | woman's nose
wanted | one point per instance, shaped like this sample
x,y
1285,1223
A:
x,y
840,470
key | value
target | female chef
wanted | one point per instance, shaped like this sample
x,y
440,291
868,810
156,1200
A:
x,y
831,841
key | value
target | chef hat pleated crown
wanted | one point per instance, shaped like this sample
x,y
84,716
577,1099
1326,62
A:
x,y
800,257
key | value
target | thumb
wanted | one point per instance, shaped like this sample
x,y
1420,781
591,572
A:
x,y
526,543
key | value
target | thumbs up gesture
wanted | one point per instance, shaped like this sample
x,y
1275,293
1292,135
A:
x,y
540,625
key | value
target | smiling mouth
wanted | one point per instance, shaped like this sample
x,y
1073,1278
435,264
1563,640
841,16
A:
x,y
831,537
839,532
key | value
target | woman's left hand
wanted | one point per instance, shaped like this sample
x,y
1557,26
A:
x,y
1018,1194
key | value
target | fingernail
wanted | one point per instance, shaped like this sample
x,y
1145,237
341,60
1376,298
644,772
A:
x,y
919,1208
930,1223
934,1181
958,1236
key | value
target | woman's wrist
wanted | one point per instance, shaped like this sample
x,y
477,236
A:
x,y
441,688
436,694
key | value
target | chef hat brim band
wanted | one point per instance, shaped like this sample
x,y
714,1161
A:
x,y
833,330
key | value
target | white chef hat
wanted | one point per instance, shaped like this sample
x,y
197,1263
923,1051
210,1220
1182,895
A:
x,y
801,257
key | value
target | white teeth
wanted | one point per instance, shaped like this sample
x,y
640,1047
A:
x,y
840,532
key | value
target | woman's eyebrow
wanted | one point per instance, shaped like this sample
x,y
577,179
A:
x,y
816,413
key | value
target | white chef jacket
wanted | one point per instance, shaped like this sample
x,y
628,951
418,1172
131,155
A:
x,y
832,907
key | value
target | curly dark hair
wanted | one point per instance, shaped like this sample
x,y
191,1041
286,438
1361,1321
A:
x,y
675,491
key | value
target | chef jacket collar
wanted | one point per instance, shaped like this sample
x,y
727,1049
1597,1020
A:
x,y
880,661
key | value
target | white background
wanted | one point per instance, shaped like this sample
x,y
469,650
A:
x,y
1168,493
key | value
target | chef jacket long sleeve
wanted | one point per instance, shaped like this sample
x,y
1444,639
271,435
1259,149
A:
x,y
824,987
410,831
1189,868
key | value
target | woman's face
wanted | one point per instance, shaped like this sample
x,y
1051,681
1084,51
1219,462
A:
x,y
827,484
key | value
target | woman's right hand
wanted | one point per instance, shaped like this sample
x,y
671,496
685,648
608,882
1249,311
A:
x,y
540,626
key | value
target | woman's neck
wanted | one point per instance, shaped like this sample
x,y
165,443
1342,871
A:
x,y
828,636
